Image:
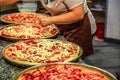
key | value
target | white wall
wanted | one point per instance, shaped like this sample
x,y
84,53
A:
x,y
112,28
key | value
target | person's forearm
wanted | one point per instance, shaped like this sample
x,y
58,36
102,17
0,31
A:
x,y
70,17
75,15
66,18
7,2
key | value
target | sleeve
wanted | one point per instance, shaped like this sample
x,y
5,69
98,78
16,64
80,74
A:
x,y
73,3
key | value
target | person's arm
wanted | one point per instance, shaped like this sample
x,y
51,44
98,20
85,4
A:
x,y
74,15
7,2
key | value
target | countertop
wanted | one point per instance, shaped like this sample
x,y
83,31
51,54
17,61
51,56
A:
x,y
6,69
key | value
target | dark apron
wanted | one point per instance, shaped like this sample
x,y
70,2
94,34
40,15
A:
x,y
79,33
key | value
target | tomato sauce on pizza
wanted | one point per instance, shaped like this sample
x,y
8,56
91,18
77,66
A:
x,y
64,72
22,18
28,31
32,52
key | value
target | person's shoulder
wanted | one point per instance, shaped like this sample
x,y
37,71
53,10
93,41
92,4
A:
x,y
74,1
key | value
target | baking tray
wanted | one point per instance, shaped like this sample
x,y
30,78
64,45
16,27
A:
x,y
41,15
15,38
47,46
108,75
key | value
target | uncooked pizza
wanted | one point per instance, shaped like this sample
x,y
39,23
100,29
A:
x,y
22,18
28,31
64,72
32,52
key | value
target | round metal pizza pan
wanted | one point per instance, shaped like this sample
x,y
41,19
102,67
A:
x,y
29,64
2,20
107,74
11,39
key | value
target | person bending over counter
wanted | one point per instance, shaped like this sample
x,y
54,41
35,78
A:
x,y
75,21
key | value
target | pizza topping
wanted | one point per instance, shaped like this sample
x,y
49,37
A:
x,y
22,18
26,31
62,72
40,51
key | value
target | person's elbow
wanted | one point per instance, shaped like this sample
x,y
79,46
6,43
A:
x,y
79,16
78,13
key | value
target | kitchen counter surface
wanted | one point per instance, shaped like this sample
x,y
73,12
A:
x,y
6,70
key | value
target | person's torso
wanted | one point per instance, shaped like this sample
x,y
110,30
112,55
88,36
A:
x,y
57,7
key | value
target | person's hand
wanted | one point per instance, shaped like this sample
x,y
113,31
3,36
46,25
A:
x,y
45,21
